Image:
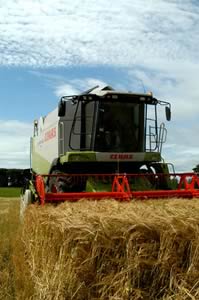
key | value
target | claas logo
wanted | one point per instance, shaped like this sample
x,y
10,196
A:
x,y
121,156
50,134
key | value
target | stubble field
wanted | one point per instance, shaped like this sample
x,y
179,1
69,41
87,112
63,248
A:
x,y
100,250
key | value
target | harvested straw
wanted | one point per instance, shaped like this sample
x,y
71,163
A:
x,y
111,250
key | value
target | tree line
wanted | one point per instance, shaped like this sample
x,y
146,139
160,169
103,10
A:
x,y
13,177
196,169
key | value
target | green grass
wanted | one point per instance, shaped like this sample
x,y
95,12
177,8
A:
x,y
10,192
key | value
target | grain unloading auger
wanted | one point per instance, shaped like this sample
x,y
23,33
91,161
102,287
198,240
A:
x,y
103,144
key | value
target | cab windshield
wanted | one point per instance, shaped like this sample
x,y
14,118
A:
x,y
120,127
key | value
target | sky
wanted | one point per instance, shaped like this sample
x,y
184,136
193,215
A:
x,y
51,48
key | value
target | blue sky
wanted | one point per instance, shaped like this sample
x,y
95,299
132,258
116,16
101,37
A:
x,y
52,48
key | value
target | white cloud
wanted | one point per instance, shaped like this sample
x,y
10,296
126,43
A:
x,y
15,144
77,86
48,33
66,90
182,148
182,162
176,83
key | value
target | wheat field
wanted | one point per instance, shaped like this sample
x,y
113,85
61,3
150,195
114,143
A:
x,y
106,250
9,226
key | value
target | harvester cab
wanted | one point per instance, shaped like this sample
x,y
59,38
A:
x,y
116,128
100,144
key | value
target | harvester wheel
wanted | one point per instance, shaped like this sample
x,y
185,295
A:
x,y
59,183
149,179
26,199
162,179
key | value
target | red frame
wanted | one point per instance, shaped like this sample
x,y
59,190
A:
x,y
188,187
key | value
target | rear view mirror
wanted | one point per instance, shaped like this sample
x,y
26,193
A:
x,y
61,108
168,113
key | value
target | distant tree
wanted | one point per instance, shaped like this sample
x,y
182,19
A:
x,y
3,178
196,169
14,177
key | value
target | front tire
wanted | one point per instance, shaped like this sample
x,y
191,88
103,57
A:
x,y
60,183
64,182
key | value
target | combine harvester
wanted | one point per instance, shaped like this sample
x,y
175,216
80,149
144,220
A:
x,y
103,144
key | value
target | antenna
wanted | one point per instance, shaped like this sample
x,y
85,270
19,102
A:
x,y
90,90
143,85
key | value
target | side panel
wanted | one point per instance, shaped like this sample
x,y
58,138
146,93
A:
x,y
45,143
